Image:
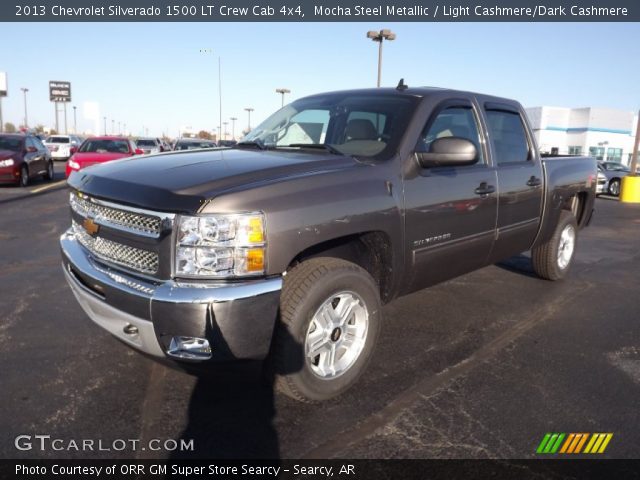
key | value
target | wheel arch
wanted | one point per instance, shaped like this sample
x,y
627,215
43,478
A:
x,y
370,250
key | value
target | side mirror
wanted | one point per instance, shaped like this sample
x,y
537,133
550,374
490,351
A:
x,y
449,152
138,151
73,150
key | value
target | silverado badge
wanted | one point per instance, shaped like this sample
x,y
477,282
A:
x,y
90,226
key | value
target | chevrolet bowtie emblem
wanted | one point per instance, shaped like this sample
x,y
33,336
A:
x,y
90,226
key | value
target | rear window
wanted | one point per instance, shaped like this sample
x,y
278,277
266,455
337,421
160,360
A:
x,y
105,146
57,140
146,143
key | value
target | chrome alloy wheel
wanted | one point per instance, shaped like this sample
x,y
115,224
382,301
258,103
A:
x,y
336,335
566,247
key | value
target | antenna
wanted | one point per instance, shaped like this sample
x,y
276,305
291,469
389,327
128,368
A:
x,y
401,85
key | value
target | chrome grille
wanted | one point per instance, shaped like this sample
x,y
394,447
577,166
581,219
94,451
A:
x,y
134,222
130,257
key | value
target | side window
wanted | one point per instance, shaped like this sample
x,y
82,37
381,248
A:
x,y
452,122
30,143
508,136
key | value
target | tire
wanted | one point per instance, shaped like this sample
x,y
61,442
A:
x,y
24,176
314,295
50,173
614,187
552,259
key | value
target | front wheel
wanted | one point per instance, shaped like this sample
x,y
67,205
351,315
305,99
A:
x,y
552,259
614,187
24,176
330,315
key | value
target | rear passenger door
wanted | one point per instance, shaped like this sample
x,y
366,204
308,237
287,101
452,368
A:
x,y
520,179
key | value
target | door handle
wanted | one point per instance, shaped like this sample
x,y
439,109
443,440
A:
x,y
534,181
484,189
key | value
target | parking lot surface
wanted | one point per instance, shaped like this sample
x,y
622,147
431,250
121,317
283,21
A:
x,y
480,366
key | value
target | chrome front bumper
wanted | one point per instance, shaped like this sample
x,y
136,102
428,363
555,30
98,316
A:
x,y
237,319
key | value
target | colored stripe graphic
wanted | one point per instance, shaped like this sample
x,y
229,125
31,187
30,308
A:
x,y
573,443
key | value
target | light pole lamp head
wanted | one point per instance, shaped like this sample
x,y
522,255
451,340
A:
x,y
373,35
283,90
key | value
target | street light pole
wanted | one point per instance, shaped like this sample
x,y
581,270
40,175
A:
x,y
75,124
380,37
233,128
249,110
282,91
225,129
113,127
105,125
26,119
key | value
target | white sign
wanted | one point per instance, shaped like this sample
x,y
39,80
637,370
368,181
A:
x,y
3,84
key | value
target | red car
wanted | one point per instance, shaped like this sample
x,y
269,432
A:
x,y
99,150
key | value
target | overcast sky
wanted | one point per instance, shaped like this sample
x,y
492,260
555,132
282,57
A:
x,y
154,75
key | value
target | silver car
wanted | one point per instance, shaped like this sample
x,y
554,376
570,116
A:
x,y
614,172
149,145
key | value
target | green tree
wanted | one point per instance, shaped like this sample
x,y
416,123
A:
x,y
9,127
204,134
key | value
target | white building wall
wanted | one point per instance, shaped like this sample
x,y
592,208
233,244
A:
x,y
604,132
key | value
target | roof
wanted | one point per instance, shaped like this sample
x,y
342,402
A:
x,y
414,92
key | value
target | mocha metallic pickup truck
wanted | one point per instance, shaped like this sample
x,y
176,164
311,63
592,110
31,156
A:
x,y
287,245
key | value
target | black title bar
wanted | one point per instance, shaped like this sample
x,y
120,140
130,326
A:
x,y
320,11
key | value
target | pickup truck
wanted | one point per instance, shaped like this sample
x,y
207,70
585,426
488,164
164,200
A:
x,y
286,246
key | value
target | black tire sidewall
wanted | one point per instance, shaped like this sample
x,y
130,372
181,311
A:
x,y
24,176
335,281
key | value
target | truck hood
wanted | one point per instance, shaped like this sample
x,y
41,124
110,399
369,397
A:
x,y
182,182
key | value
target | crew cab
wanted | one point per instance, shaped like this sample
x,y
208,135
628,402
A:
x,y
287,245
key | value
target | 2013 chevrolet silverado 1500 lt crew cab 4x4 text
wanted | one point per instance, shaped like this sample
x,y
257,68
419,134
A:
x,y
287,245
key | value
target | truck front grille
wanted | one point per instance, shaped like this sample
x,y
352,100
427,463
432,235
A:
x,y
130,257
130,221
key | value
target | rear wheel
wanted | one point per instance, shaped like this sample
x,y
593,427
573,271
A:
x,y
552,259
24,176
329,322
614,187
48,175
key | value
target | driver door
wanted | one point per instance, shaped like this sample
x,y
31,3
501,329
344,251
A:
x,y
450,211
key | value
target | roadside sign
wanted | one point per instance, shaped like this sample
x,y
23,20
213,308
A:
x,y
59,91
3,84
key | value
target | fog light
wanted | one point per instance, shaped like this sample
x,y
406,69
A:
x,y
191,348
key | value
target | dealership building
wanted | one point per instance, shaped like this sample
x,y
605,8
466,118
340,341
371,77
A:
x,y
598,132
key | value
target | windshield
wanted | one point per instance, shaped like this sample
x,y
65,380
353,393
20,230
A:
x,y
9,143
57,140
146,143
105,146
352,124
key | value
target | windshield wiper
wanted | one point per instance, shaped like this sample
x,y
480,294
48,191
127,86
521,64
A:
x,y
319,146
254,143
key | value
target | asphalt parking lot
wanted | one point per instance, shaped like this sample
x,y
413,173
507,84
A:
x,y
481,366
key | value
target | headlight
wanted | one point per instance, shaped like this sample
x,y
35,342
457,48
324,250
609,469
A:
x,y
6,163
74,165
220,245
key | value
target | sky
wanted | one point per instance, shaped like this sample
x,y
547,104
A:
x,y
153,76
